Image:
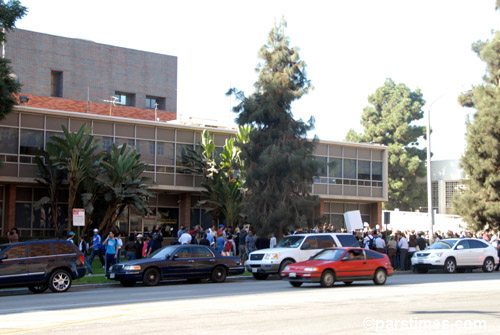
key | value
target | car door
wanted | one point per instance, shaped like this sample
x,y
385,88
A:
x,y
478,252
204,261
308,248
41,261
463,253
352,268
182,265
14,265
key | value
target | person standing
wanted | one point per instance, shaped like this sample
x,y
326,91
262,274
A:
x,y
391,250
185,237
250,242
204,240
96,248
403,251
111,250
220,243
131,248
139,244
70,237
272,241
13,236
242,243
379,244
84,248
119,245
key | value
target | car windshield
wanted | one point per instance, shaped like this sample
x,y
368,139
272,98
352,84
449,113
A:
x,y
329,255
164,252
290,242
444,244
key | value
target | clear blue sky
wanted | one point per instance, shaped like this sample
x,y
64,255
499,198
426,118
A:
x,y
350,46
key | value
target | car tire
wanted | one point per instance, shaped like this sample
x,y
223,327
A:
x,y
380,277
219,274
420,270
296,283
38,288
284,264
127,283
59,281
488,265
327,279
348,283
260,276
450,265
151,277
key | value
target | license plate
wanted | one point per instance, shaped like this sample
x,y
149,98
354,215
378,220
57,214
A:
x,y
292,275
254,269
111,275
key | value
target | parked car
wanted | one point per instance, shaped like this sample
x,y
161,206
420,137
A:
x,y
40,265
192,262
292,249
340,264
455,254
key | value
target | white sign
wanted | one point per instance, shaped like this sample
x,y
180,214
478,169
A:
x,y
78,217
353,220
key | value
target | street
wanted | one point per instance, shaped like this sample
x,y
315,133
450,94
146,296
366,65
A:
x,y
433,303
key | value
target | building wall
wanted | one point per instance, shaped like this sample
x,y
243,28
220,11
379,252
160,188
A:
x,y
90,71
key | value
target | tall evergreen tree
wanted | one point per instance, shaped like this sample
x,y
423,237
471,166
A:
x,y
388,121
10,12
278,158
479,202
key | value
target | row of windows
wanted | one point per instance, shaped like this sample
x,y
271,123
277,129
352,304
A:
x,y
121,98
347,171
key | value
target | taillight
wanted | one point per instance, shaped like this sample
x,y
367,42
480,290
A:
x,y
82,259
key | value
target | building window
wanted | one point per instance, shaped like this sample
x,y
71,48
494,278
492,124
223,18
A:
x,y
8,140
155,102
364,170
125,99
31,142
451,190
56,84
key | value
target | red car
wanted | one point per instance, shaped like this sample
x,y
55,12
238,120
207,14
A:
x,y
340,264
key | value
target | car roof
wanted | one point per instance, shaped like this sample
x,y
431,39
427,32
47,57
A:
x,y
308,234
36,241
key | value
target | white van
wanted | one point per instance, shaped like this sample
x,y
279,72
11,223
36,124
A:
x,y
292,249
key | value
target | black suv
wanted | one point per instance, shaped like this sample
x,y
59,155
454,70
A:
x,y
40,265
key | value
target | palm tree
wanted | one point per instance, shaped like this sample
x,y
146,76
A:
x,y
122,184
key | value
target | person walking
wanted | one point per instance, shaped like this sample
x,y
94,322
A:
x,y
96,248
111,245
84,249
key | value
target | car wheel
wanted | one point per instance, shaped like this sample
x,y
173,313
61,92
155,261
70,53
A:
x,y
488,265
218,274
419,270
284,264
127,283
151,277
380,277
39,288
296,284
327,279
450,266
260,276
60,281
348,282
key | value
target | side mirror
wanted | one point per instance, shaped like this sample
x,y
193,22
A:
x,y
460,247
175,256
305,246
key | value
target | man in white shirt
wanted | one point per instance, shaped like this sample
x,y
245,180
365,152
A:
x,y
379,244
403,251
272,241
185,237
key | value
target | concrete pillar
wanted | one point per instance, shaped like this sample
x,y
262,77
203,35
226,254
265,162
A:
x,y
376,215
185,210
10,208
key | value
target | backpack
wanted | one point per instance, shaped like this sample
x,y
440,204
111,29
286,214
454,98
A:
x,y
228,246
371,243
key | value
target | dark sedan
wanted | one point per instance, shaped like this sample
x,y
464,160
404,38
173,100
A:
x,y
192,262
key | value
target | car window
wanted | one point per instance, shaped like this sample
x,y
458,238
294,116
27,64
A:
x,y
348,241
63,249
329,255
313,241
201,252
184,252
476,244
326,241
290,242
40,249
373,255
18,251
354,255
464,243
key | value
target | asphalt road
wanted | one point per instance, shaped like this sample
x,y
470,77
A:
x,y
432,303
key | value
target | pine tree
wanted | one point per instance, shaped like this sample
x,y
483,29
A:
x,y
389,121
479,201
278,158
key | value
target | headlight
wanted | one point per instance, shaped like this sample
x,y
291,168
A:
x,y
436,255
311,269
271,256
131,267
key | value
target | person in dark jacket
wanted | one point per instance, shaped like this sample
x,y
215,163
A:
x,y
139,244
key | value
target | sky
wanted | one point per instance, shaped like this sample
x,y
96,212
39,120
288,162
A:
x,y
350,47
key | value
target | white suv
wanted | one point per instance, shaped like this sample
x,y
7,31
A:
x,y
292,249
456,255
